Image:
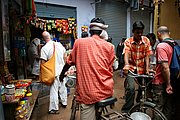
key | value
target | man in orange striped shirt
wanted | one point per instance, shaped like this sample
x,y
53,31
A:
x,y
137,50
93,58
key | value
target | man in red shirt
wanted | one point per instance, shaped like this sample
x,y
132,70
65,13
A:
x,y
137,50
162,89
93,58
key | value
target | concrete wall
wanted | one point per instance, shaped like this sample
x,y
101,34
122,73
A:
x,y
85,10
169,17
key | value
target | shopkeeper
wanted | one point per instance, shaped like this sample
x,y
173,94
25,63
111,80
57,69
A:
x,y
34,55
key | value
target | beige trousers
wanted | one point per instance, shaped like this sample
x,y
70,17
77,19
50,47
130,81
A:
x,y
87,112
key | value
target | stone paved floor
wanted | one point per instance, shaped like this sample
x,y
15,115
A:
x,y
40,112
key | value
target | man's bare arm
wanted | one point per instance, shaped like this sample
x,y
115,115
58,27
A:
x,y
165,72
147,64
166,77
126,58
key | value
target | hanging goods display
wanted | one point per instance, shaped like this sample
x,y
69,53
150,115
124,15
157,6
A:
x,y
72,24
84,28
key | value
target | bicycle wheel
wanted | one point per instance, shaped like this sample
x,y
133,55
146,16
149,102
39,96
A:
x,y
73,110
149,109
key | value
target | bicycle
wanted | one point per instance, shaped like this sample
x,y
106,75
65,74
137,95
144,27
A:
x,y
101,107
145,105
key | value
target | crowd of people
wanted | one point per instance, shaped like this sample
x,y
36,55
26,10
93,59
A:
x,y
94,56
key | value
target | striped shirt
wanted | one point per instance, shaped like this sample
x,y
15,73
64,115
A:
x,y
93,58
137,53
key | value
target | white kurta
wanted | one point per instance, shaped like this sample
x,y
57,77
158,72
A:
x,y
57,87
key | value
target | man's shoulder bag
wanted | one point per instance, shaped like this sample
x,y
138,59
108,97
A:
x,y
47,70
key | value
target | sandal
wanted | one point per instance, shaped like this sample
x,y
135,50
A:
x,y
64,106
54,112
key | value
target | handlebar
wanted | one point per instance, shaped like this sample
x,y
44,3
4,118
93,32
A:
x,y
71,76
132,74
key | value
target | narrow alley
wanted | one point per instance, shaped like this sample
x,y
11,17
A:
x,y
40,112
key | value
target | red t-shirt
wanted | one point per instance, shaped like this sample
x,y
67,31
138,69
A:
x,y
163,54
94,58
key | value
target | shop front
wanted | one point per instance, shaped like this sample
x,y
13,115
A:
x,y
114,13
20,21
59,20
17,96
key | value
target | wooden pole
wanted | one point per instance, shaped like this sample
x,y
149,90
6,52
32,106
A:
x,y
155,16
157,10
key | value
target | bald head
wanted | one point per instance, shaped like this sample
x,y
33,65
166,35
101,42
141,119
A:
x,y
46,36
163,30
162,33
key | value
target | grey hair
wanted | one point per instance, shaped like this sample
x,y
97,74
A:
x,y
163,30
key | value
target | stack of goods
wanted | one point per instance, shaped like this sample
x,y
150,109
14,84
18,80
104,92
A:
x,y
18,92
24,94
72,25
62,26
23,110
65,26
15,91
58,25
84,28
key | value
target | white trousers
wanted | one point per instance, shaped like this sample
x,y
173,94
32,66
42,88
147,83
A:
x,y
57,88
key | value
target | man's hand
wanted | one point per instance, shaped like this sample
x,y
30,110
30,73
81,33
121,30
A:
x,y
152,72
169,89
62,75
126,69
147,71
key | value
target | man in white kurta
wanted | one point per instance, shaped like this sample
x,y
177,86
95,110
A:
x,y
57,87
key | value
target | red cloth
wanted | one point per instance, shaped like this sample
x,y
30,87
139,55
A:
x,y
33,8
93,58
137,53
163,54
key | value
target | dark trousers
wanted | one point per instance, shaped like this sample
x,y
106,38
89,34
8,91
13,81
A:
x,y
176,91
164,102
130,94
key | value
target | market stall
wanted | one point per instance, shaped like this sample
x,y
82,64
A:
x,y
18,99
62,30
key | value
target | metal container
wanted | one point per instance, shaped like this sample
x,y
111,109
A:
x,y
10,89
71,81
139,116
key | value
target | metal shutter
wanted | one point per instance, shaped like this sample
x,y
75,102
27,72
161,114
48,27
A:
x,y
114,14
141,15
55,11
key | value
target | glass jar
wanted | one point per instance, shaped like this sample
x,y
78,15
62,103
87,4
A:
x,y
30,98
